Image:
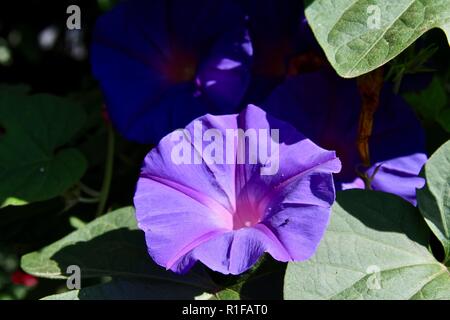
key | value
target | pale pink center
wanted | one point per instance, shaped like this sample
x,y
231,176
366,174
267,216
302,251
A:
x,y
247,213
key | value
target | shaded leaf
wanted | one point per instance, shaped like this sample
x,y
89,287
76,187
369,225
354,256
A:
x,y
434,198
429,102
130,290
30,223
33,164
109,246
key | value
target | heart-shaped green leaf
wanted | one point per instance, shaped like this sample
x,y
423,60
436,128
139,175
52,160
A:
x,y
374,248
361,35
110,246
33,130
434,198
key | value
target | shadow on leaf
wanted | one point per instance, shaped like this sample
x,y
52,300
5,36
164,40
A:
x,y
122,255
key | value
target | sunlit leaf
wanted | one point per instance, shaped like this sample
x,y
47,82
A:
x,y
375,248
360,35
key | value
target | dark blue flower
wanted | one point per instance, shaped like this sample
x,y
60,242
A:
x,y
326,108
163,63
282,40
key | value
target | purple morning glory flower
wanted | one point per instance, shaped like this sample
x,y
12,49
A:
x,y
227,213
326,108
163,63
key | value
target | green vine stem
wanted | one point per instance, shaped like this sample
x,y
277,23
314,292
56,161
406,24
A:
x,y
107,178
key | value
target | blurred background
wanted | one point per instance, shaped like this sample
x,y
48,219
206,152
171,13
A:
x,y
39,53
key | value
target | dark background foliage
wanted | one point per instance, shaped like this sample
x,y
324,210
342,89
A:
x,y
63,70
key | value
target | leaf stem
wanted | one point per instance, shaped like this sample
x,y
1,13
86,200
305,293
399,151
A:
x,y
88,200
107,178
89,191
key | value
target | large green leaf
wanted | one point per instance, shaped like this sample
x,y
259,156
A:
x,y
33,130
355,45
434,198
374,248
110,246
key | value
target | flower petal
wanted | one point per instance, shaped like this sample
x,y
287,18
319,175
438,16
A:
x,y
174,221
228,66
299,228
235,252
400,176
297,157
